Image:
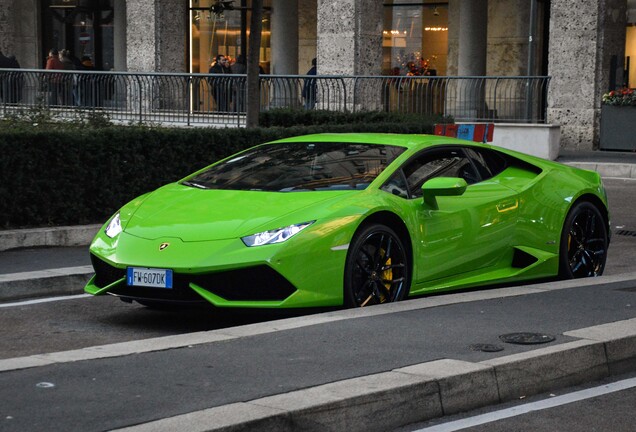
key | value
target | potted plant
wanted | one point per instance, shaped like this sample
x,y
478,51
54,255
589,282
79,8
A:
x,y
618,115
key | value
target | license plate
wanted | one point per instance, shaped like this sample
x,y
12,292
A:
x,y
149,277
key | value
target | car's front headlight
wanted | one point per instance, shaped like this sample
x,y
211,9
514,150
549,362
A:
x,y
275,236
113,229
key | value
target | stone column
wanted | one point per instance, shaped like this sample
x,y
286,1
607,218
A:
x,y
284,51
465,99
453,37
119,26
508,29
20,37
156,35
349,37
7,29
156,42
19,32
307,37
349,43
584,36
473,37
284,37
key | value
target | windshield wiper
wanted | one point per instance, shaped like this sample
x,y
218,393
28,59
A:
x,y
195,185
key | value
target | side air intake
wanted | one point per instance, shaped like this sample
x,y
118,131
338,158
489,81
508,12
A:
x,y
522,259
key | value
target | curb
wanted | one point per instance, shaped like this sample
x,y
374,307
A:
x,y
44,283
606,170
425,391
80,235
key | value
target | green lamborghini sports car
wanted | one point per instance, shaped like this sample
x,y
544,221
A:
x,y
353,220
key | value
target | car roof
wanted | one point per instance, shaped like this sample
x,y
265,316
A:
x,y
403,140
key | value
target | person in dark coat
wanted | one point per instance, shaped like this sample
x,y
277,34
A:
x,y
10,82
309,87
4,64
240,83
4,61
221,86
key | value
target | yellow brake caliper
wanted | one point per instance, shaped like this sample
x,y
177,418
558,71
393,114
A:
x,y
386,275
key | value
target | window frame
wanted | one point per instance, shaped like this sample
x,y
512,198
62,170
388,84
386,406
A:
x,y
448,147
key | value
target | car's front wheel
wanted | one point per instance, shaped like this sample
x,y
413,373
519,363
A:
x,y
584,241
377,268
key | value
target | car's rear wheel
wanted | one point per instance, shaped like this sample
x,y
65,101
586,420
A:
x,y
377,268
584,241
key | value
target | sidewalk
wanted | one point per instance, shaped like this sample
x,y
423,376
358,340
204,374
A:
x,y
607,164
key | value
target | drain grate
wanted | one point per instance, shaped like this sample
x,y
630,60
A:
x,y
486,348
627,233
526,338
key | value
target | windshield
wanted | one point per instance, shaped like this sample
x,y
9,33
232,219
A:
x,y
299,167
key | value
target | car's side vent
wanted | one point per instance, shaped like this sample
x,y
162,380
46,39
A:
x,y
522,259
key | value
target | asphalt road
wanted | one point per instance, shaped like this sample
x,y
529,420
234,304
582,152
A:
x,y
622,198
597,407
118,391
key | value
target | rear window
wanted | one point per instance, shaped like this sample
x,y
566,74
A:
x,y
299,167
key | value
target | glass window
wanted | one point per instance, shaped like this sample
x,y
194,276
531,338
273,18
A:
x,y
83,27
438,163
630,53
396,185
489,163
299,167
212,34
415,37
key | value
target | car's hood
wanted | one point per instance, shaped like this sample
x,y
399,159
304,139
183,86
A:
x,y
200,215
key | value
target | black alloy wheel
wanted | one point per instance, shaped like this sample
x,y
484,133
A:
x,y
584,241
377,268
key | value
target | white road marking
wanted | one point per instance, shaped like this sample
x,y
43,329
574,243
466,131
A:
x,y
533,406
43,300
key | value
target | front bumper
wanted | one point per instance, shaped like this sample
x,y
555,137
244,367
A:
x,y
306,271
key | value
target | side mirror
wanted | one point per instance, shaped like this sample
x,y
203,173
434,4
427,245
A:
x,y
442,186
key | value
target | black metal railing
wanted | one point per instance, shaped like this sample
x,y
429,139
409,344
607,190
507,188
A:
x,y
189,99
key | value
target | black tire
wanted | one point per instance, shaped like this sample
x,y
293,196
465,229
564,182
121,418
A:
x,y
584,241
377,268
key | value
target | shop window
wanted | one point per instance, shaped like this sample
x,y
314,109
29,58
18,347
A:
x,y
630,56
415,38
85,27
226,33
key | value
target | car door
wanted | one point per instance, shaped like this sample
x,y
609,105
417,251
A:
x,y
462,233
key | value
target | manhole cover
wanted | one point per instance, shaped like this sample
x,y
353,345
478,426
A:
x,y
526,338
486,347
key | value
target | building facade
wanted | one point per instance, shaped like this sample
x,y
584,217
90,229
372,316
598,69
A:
x,y
584,45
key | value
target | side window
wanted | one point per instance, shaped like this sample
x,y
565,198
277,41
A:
x,y
489,163
438,163
396,185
